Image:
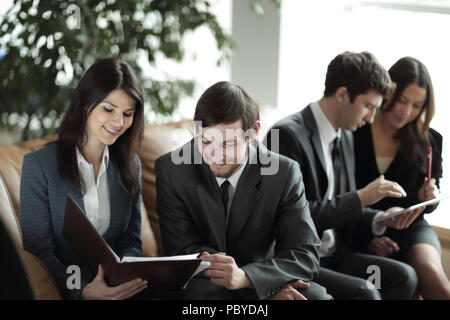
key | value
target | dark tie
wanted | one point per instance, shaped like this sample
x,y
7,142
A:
x,y
336,155
224,193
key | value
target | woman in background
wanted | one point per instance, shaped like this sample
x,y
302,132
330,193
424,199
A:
x,y
94,160
395,146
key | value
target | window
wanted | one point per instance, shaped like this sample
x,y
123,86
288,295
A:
x,y
314,32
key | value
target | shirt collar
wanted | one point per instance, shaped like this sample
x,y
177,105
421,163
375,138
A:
x,y
326,130
81,161
234,179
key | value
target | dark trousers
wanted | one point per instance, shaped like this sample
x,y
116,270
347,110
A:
x,y
345,276
204,289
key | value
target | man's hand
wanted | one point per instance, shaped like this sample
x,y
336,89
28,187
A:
x,y
98,289
383,246
428,191
379,189
402,221
225,272
290,292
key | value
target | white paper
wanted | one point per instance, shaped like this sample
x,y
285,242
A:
x,y
114,254
169,258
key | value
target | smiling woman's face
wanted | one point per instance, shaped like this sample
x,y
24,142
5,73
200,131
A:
x,y
111,117
407,107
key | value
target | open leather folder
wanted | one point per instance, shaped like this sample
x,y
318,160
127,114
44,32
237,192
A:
x,y
162,273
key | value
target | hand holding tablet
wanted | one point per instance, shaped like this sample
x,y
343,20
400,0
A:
x,y
411,208
399,221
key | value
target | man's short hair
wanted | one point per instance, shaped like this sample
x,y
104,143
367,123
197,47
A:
x,y
225,102
359,73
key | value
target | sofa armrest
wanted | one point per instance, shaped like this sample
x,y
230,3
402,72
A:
x,y
42,282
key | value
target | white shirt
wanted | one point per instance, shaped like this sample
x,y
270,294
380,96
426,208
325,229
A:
x,y
96,197
327,134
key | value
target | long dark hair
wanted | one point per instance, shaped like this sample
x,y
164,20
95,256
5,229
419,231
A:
x,y
414,136
99,80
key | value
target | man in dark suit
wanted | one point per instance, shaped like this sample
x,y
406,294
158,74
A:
x,y
241,206
319,138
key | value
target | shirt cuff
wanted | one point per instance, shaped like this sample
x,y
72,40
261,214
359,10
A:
x,y
377,231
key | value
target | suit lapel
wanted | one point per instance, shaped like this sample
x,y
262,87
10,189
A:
x,y
211,204
245,199
76,195
314,137
347,155
118,201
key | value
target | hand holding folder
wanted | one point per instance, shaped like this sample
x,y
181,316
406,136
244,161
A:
x,y
98,289
161,273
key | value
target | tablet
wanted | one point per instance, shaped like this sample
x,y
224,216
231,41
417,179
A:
x,y
414,207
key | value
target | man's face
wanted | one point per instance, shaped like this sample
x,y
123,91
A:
x,y
223,147
361,111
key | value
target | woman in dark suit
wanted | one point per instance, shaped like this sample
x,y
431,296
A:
x,y
395,146
94,161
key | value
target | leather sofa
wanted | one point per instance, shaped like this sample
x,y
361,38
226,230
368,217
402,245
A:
x,y
158,139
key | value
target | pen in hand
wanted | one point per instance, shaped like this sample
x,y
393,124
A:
x,y
429,159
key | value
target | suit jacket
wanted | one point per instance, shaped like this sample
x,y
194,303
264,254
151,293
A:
x,y
270,233
299,139
43,200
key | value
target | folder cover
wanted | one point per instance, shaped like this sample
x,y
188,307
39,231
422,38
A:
x,y
161,273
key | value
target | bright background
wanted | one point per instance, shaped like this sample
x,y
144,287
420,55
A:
x,y
281,57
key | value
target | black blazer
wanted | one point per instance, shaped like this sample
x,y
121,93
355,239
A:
x,y
408,175
299,140
270,232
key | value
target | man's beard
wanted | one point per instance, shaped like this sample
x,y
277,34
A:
x,y
229,173
232,169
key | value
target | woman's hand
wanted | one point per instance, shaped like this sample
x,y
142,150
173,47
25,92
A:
x,y
428,191
98,289
401,221
383,246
